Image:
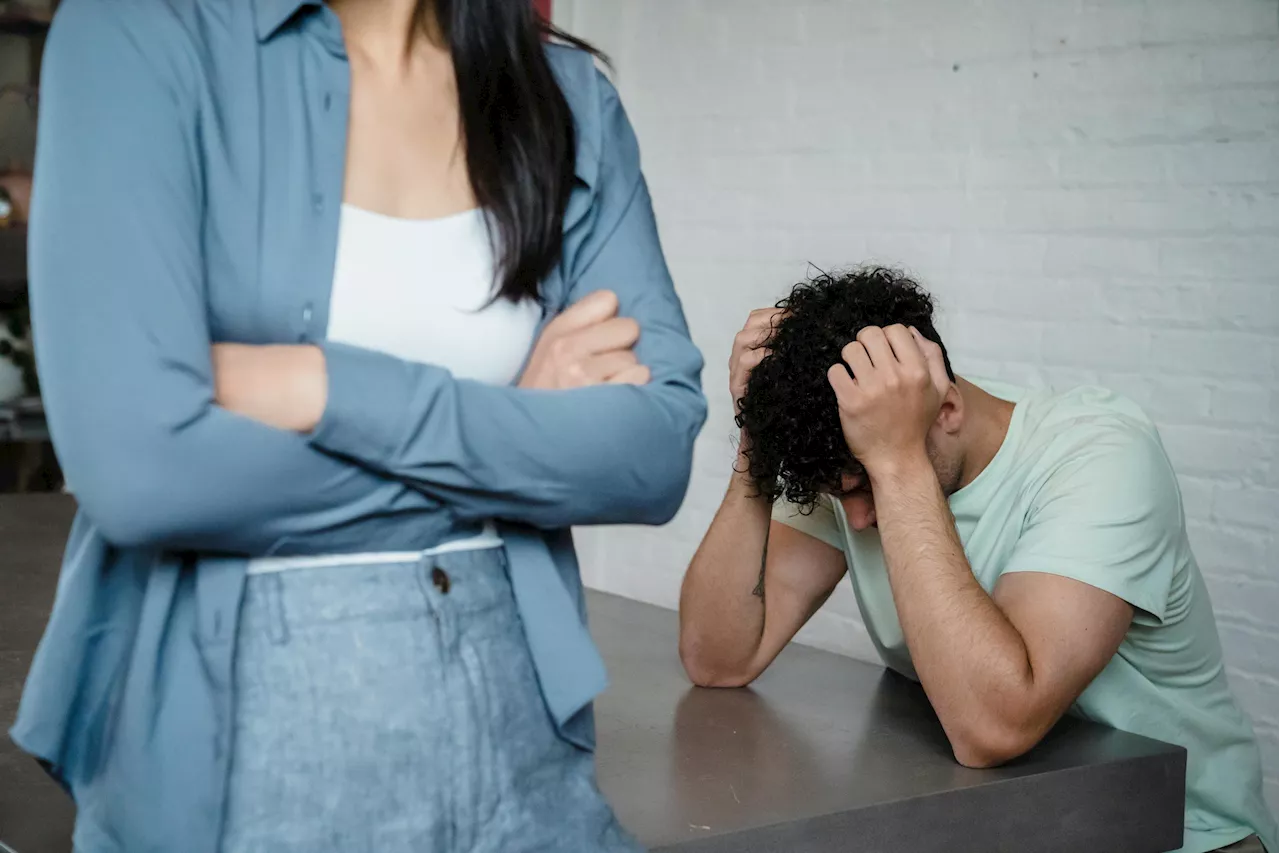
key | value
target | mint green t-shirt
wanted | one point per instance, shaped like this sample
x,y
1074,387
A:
x,y
1082,487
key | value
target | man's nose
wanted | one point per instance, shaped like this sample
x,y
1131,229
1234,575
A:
x,y
864,515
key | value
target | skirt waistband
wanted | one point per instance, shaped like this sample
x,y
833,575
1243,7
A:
x,y
486,539
463,582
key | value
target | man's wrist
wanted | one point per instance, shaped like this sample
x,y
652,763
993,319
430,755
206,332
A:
x,y
742,459
895,469
740,481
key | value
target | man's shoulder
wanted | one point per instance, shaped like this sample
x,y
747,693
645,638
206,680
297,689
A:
x,y
1094,401
1092,441
1086,416
1052,427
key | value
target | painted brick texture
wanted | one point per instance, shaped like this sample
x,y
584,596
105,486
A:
x,y
1088,187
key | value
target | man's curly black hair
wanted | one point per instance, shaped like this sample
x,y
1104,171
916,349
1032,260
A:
x,y
797,449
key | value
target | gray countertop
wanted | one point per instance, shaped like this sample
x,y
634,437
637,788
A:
x,y
822,754
828,754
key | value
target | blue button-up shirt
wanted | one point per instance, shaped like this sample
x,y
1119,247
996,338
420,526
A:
x,y
189,174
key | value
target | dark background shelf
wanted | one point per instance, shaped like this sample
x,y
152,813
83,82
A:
x,y
13,265
24,23
22,27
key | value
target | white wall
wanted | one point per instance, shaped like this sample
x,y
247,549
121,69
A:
x,y
1088,187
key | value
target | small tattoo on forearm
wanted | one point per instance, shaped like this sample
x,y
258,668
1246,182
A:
x,y
764,560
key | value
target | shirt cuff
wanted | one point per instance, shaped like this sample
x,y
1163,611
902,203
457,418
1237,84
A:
x,y
368,399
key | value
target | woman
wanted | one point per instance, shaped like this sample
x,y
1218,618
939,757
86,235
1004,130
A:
x,y
301,279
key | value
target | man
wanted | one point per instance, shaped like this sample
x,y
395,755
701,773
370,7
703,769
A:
x,y
1020,553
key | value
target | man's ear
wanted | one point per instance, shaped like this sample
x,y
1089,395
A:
x,y
951,414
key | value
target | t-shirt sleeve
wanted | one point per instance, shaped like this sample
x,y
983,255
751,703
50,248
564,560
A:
x,y
1108,515
821,523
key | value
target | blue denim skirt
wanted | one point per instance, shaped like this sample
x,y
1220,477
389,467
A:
x,y
394,708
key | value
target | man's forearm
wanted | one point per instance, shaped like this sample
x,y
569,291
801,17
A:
x,y
722,599
971,661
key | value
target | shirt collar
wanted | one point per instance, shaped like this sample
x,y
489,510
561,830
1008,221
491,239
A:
x,y
271,15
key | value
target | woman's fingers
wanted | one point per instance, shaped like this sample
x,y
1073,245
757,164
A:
x,y
588,344
605,366
617,333
637,375
592,309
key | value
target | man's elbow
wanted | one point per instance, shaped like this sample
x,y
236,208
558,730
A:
x,y
982,747
707,669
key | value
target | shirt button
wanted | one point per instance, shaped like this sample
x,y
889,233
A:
x,y
306,314
328,101
440,579
317,203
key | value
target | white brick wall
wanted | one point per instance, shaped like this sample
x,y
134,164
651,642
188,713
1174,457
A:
x,y
1088,186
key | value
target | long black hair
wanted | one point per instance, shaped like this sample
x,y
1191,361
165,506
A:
x,y
517,130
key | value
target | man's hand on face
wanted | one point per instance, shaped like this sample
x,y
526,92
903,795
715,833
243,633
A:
x,y
893,396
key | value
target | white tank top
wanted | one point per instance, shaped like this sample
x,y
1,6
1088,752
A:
x,y
420,289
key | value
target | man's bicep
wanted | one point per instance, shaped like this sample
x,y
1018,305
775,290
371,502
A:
x,y
800,573
1071,631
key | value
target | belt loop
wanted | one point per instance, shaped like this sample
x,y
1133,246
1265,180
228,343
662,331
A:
x,y
277,621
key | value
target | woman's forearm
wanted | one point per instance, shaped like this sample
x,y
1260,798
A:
x,y
548,458
281,386
601,455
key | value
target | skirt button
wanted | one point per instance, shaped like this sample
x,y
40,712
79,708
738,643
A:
x,y
440,579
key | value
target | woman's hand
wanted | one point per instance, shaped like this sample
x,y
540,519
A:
x,y
588,344
285,387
